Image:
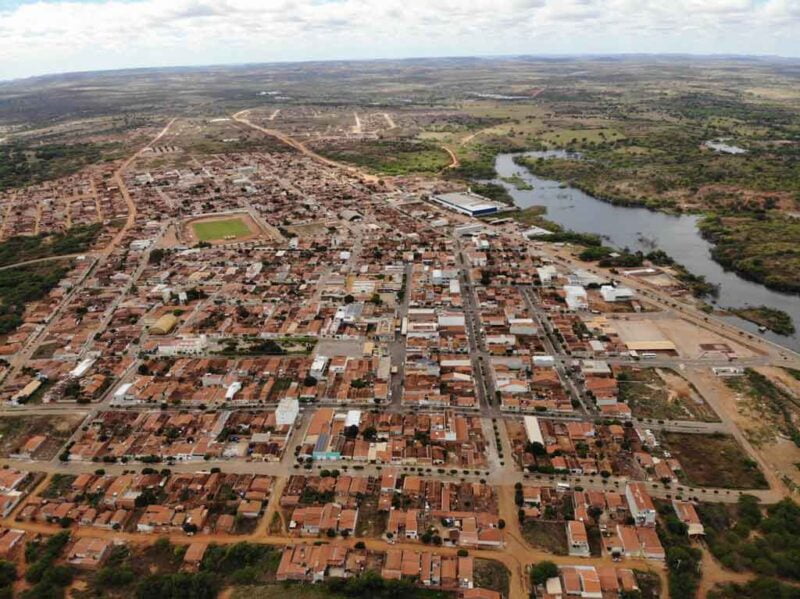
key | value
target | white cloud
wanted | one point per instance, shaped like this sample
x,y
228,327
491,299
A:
x,y
58,35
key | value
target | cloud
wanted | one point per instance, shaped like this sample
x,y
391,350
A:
x,y
60,35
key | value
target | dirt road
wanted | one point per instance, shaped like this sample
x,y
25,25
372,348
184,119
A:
x,y
389,120
713,573
46,259
123,189
454,162
241,117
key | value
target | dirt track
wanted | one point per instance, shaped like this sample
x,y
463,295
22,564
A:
x,y
454,162
241,117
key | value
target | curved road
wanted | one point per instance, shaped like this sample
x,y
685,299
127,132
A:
x,y
241,117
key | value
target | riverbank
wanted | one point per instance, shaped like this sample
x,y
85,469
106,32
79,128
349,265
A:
x,y
757,244
760,247
776,321
645,230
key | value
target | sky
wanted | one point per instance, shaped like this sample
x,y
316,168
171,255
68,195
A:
x,y
40,37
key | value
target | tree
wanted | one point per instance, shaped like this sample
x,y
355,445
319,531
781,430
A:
x,y
543,570
8,573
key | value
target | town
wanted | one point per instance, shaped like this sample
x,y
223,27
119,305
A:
x,y
285,369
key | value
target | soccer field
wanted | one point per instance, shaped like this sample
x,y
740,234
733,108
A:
x,y
214,230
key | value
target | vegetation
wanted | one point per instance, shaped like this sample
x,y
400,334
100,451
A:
x,y
762,247
22,248
22,285
47,578
268,347
215,230
518,182
179,585
8,574
59,485
744,538
371,585
776,321
774,403
697,284
649,396
395,157
550,536
23,165
154,572
493,191
493,575
715,460
755,589
683,560
541,571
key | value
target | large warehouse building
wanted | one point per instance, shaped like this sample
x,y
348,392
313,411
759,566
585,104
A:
x,y
467,203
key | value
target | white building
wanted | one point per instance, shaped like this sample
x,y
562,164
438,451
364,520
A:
x,y
616,294
287,411
121,395
576,297
81,368
544,361
640,504
184,347
232,390
546,273
467,203
522,326
318,366
533,430
353,418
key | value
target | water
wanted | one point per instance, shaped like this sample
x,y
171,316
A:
x,y
642,229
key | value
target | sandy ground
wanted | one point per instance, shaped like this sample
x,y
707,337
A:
x,y
714,573
353,348
777,460
684,335
309,230
681,390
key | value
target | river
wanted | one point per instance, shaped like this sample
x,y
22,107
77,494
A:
x,y
643,229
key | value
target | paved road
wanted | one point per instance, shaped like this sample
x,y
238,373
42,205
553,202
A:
x,y
397,348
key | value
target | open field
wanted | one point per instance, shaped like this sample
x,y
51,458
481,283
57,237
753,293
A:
x,y
770,403
493,575
662,394
714,461
688,340
550,536
389,157
215,230
227,228
15,430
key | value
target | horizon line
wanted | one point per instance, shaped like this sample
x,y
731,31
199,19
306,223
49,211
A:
x,y
719,55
